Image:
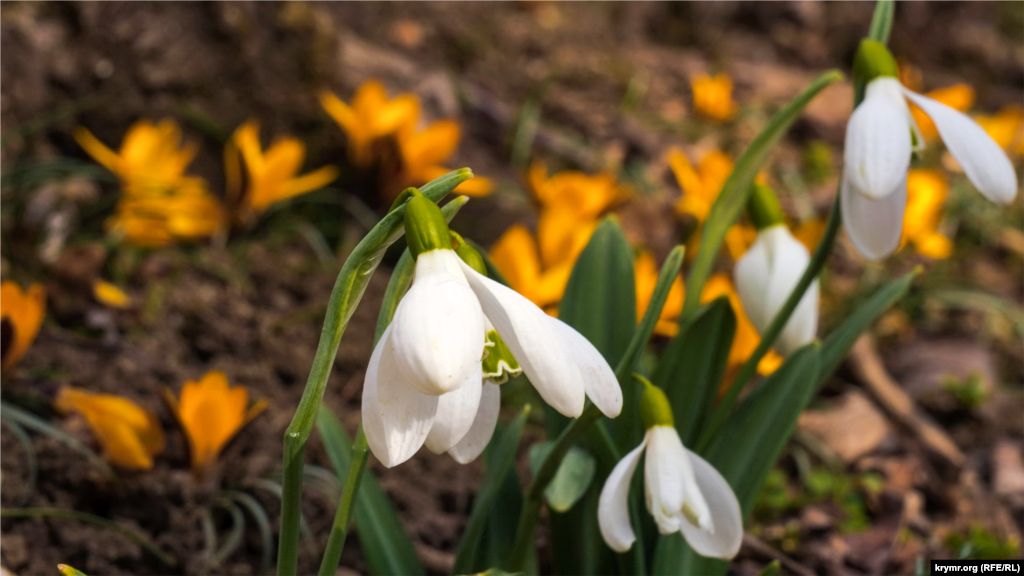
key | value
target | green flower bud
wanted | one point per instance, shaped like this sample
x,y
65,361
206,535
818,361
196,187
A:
x,y
764,208
425,226
499,364
654,407
873,60
469,255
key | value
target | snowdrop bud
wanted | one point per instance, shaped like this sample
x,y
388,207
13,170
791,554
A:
x,y
468,254
654,407
425,226
763,207
873,60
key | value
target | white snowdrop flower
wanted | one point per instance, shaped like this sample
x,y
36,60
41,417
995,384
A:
x,y
455,335
880,137
684,493
768,272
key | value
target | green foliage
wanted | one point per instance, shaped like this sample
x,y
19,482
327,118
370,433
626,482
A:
x,y
979,543
970,392
572,479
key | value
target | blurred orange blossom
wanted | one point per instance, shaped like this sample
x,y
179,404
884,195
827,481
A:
x,y
21,316
129,435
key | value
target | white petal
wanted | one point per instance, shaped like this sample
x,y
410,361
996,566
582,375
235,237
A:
x,y
613,506
874,226
438,326
878,140
598,377
456,411
789,260
727,537
751,275
479,435
984,162
534,341
396,416
670,482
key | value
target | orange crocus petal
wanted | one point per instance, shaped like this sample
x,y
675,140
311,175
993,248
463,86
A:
x,y
98,150
645,272
475,187
434,145
130,435
1006,127
746,339
700,185
712,96
314,180
926,194
958,97
21,313
515,254
109,294
211,413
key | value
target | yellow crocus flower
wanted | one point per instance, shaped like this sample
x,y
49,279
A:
x,y
645,272
809,233
211,413
571,202
21,316
152,157
747,338
702,184
958,97
371,117
110,295
926,193
517,256
270,176
712,96
187,213
1006,127
130,435
423,154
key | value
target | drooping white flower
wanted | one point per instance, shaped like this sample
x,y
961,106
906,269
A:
x,y
766,275
426,382
683,492
879,142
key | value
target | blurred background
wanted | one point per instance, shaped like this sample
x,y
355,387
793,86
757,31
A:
x,y
182,181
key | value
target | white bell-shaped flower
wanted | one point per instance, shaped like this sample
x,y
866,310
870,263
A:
x,y
684,493
765,277
879,143
425,382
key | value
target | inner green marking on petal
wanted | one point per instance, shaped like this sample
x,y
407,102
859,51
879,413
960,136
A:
x,y
690,515
499,363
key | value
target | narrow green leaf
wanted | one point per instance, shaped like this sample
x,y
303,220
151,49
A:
x,y
881,21
838,343
386,546
574,475
499,463
693,365
733,197
33,422
501,530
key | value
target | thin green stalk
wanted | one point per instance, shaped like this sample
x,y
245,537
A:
x,y
348,291
535,493
343,517
817,262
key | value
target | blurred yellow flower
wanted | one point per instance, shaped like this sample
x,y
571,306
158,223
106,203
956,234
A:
x,y
130,435
1006,127
926,193
152,158
187,213
747,338
712,96
571,202
516,255
809,232
700,185
371,117
211,413
958,96
645,271
109,294
270,176
21,316
423,154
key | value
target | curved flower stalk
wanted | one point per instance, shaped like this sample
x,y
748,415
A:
x,y
21,316
768,272
684,493
880,138
457,333
129,434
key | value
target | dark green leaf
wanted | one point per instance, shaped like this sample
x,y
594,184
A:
x,y
574,475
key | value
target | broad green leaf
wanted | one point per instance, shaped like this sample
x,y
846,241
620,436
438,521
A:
x,y
693,364
746,448
733,197
574,475
839,342
501,528
499,462
386,547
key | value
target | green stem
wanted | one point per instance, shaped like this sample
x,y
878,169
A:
x,y
535,493
342,518
817,262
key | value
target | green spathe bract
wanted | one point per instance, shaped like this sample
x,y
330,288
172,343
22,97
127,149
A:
x,y
425,226
873,60
764,208
655,409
